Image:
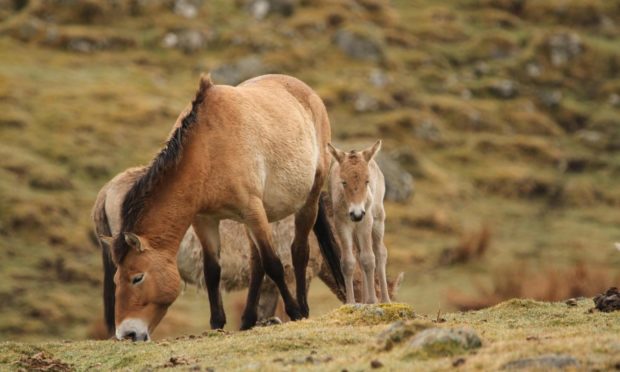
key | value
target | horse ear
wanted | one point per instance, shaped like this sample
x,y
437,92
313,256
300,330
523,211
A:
x,y
371,152
134,241
337,154
106,240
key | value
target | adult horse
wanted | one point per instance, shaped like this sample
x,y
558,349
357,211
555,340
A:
x,y
254,153
234,259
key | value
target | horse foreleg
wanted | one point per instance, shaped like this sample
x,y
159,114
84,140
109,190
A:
x,y
381,258
258,225
347,260
367,261
209,236
257,273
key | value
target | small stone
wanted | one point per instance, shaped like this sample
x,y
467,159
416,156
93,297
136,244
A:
x,y
458,362
571,302
375,363
358,46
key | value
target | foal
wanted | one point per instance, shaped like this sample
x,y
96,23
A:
x,y
356,185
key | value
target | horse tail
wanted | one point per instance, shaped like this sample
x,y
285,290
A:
x,y
102,228
329,246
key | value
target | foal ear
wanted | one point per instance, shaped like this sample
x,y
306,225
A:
x,y
337,154
134,241
371,152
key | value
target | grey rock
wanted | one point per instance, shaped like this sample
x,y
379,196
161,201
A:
x,y
398,332
238,71
543,362
399,185
364,102
186,8
564,47
440,340
261,9
379,78
358,46
505,89
188,40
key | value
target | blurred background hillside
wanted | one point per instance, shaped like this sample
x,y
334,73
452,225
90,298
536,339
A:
x,y
505,112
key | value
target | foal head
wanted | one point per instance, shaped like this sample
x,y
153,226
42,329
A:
x,y
147,283
355,177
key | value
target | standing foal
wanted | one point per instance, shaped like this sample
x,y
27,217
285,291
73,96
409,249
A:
x,y
356,185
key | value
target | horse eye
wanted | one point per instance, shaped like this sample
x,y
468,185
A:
x,y
367,182
137,279
344,183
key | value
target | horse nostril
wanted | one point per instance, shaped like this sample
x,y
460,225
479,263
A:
x,y
363,213
131,335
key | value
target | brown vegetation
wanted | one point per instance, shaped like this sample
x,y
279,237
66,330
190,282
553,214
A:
x,y
546,284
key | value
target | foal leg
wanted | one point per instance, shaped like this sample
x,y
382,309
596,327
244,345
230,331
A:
x,y
347,260
381,257
367,260
258,224
257,273
208,233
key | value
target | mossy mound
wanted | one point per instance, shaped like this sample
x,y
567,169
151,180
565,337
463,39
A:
x,y
362,314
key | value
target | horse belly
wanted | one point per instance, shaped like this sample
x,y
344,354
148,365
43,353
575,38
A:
x,y
287,192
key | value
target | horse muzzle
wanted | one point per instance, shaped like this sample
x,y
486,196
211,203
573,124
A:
x,y
133,329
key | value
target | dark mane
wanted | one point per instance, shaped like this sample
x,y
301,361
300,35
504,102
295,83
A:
x,y
167,159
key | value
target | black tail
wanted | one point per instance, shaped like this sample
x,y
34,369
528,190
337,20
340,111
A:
x,y
109,269
329,246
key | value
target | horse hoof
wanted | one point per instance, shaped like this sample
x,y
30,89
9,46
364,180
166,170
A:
x,y
305,311
294,314
247,323
218,324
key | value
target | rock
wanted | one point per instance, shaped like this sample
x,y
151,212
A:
x,y
375,363
238,71
444,341
364,102
260,9
379,78
186,8
564,47
358,46
399,185
608,301
543,362
399,332
505,89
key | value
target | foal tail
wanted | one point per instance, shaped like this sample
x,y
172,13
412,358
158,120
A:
x,y
329,246
102,228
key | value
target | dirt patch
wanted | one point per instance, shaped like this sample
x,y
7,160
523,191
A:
x,y
43,361
608,301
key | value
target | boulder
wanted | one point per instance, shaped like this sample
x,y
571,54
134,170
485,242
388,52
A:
x,y
239,70
358,46
399,184
444,341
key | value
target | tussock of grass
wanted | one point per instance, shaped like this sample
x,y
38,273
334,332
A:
x,y
362,314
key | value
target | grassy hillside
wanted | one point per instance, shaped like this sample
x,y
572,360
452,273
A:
x,y
505,112
525,333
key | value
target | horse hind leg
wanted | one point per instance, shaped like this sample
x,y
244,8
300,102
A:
x,y
260,231
208,234
257,274
305,219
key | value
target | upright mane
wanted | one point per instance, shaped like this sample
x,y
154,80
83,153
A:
x,y
167,159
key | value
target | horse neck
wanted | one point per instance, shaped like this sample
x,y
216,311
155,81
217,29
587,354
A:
x,y
171,209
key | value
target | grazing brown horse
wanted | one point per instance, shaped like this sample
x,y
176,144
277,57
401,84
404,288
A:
x,y
357,186
235,253
254,153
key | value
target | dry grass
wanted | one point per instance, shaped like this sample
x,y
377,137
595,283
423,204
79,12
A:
x,y
472,246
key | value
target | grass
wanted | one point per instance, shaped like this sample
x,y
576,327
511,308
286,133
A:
x,y
512,330
539,168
